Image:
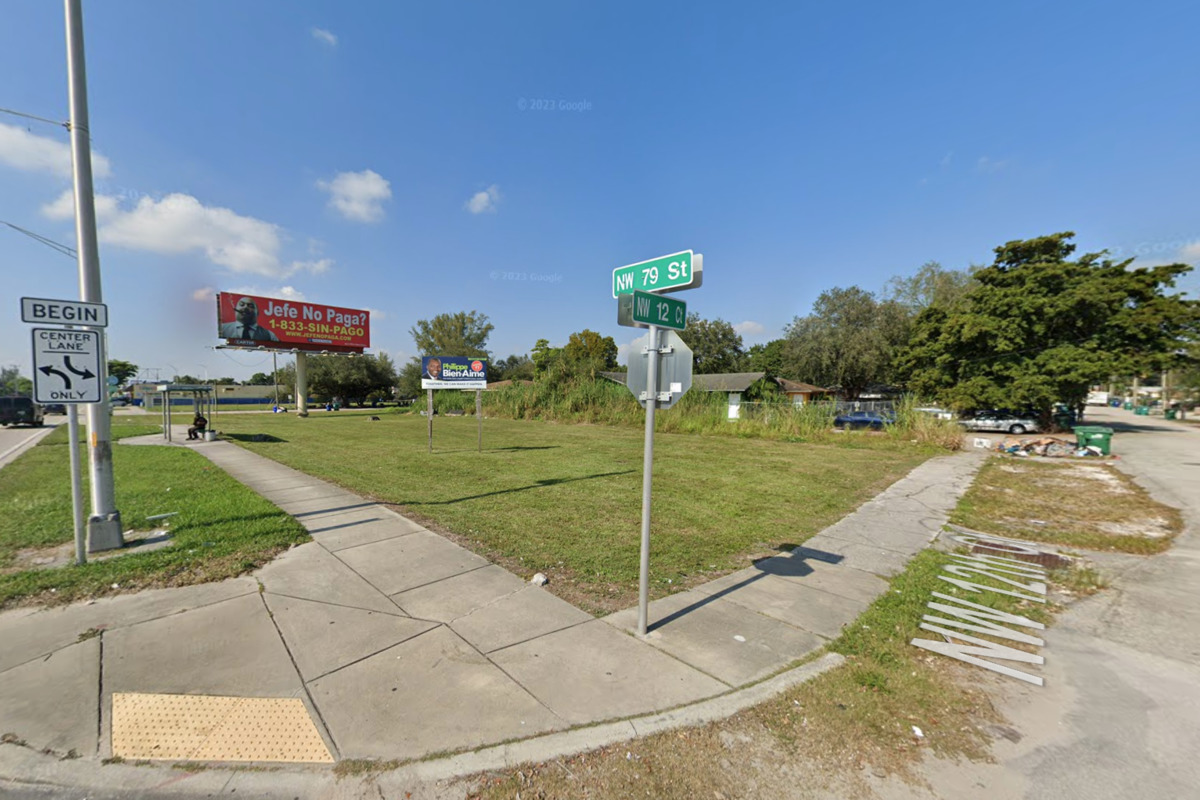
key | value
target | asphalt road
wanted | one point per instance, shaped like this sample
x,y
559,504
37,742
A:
x,y
14,441
1119,716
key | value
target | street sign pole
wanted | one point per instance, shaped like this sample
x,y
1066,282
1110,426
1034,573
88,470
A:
x,y
429,415
104,524
647,477
76,487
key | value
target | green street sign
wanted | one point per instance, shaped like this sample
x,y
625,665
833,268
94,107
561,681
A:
x,y
671,273
643,309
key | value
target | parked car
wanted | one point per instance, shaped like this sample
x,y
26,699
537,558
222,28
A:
x,y
999,420
119,402
54,408
857,420
20,411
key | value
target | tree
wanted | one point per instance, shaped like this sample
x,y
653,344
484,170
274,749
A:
x,y
408,382
261,379
849,340
513,368
13,384
353,379
122,370
931,285
587,353
544,357
768,358
716,346
460,334
1039,329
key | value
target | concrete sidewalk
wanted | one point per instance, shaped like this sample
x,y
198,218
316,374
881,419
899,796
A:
x,y
402,644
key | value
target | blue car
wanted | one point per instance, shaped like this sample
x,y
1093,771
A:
x,y
858,420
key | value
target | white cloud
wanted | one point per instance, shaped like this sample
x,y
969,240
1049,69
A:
x,y
327,37
204,294
32,153
1190,252
749,328
484,201
376,314
635,346
281,292
179,224
358,196
63,206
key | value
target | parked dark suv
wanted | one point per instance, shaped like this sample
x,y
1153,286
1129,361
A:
x,y
20,411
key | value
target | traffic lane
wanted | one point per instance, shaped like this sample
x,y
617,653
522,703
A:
x,y
15,441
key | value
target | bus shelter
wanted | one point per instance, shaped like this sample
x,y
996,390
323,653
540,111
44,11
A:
x,y
201,402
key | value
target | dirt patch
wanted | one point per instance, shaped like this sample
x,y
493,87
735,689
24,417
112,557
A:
x,y
40,558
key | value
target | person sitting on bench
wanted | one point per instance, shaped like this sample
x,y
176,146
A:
x,y
199,424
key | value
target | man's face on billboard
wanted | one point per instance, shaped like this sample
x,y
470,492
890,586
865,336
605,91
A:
x,y
247,311
435,368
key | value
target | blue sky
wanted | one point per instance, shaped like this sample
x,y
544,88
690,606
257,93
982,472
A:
x,y
414,159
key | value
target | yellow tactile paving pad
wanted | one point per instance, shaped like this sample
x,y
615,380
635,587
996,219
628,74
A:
x,y
186,727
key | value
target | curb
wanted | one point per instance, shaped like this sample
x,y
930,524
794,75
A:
x,y
22,767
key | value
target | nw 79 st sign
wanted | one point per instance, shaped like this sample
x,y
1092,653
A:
x,y
671,273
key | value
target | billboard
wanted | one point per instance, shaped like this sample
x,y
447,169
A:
x,y
453,372
253,321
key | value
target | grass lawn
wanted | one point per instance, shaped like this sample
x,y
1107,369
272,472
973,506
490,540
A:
x,y
1067,502
222,529
566,499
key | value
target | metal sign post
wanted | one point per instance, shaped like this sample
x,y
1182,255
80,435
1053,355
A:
x,y
429,416
647,477
76,485
638,289
479,415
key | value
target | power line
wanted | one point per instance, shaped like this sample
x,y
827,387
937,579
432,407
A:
x,y
62,248
39,119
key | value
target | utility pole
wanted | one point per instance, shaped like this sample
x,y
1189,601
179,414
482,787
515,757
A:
x,y
104,524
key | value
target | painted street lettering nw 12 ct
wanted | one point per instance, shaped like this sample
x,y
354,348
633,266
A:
x,y
953,615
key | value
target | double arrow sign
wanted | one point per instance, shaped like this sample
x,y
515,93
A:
x,y
84,373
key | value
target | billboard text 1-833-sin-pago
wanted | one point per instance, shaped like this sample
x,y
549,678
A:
x,y
266,321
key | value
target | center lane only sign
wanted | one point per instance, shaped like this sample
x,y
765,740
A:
x,y
66,366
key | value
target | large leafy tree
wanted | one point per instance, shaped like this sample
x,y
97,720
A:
x,y
12,383
587,353
716,346
849,340
513,368
768,358
931,285
354,379
1038,328
460,334
122,370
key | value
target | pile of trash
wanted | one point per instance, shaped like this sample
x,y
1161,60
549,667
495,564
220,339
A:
x,y
1048,446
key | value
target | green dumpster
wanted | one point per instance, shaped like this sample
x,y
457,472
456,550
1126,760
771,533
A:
x,y
1097,436
1170,413
1128,406
1142,411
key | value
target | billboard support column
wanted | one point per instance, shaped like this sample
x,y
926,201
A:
x,y
429,415
479,415
301,384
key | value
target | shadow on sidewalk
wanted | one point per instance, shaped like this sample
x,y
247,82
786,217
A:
x,y
791,565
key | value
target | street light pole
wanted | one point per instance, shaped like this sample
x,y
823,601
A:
x,y
104,524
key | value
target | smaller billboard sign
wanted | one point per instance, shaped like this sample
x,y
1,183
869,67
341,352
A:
x,y
453,372
255,321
